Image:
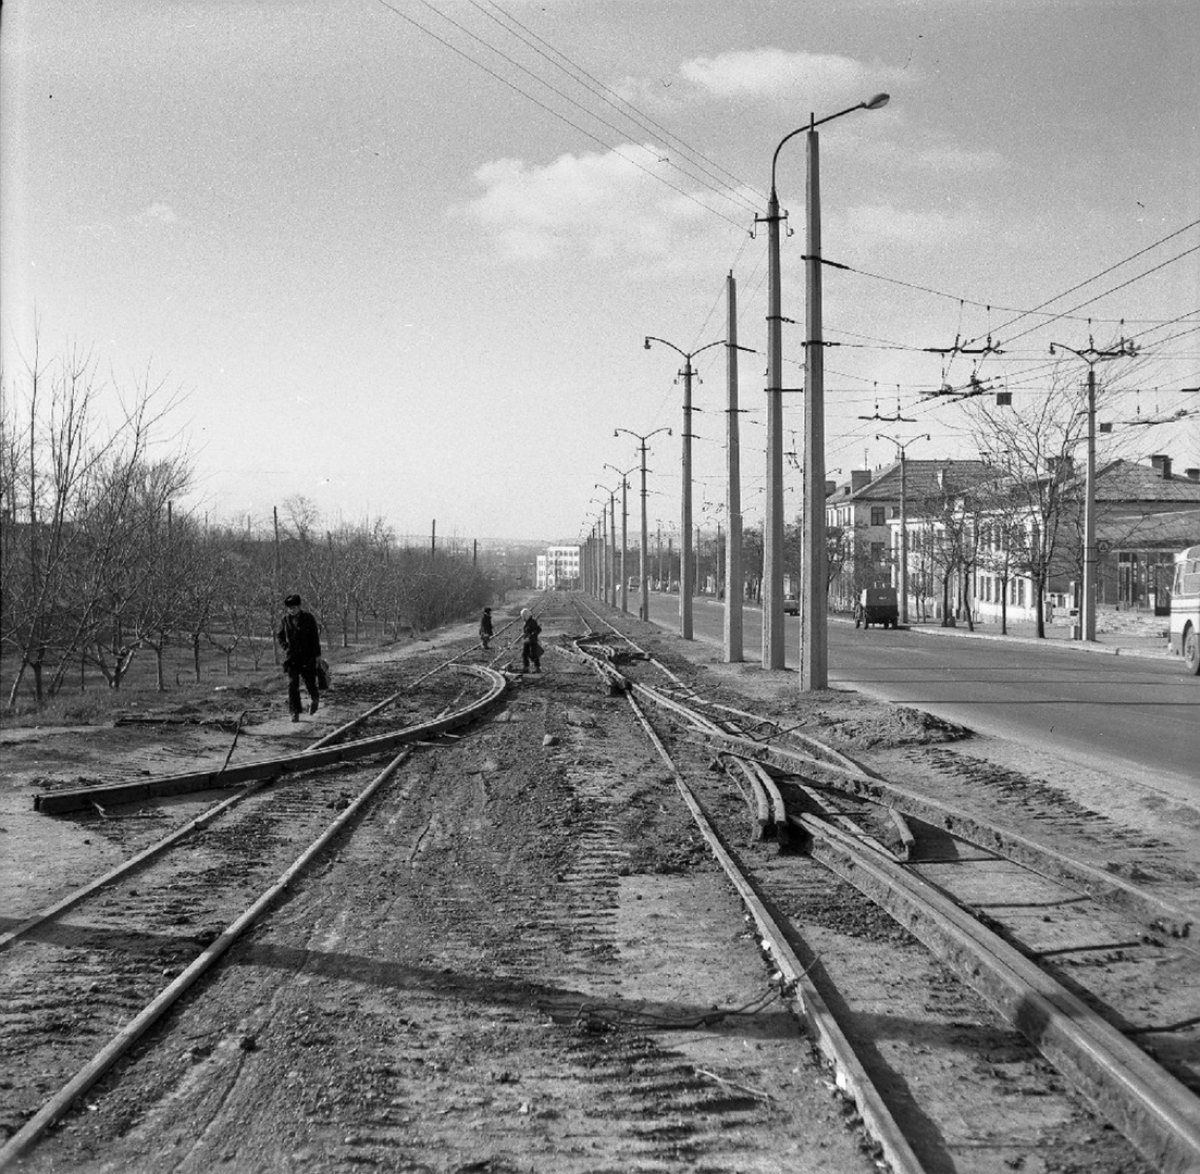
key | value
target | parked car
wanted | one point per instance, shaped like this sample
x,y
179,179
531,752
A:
x,y
791,605
877,605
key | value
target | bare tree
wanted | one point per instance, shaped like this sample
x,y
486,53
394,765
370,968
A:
x,y
1033,452
69,480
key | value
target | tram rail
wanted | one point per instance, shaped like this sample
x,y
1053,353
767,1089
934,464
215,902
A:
x,y
144,919
1084,1033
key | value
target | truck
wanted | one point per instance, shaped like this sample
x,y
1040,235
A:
x,y
877,605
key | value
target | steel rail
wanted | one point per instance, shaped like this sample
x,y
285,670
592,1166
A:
x,y
852,1078
1153,1110
132,864
1156,912
57,802
354,723
120,1044
827,767
1157,1113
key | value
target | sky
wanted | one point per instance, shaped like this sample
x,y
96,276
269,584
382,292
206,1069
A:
x,y
400,258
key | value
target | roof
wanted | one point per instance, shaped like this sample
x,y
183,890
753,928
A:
x,y
1160,531
921,480
1125,481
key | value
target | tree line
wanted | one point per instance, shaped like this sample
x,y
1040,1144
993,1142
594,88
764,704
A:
x,y
99,564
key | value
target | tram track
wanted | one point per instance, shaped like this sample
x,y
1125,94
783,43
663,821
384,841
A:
x,y
1026,950
84,991
542,863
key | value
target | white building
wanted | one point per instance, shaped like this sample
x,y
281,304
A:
x,y
558,567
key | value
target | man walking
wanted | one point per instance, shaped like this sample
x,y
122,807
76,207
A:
x,y
302,646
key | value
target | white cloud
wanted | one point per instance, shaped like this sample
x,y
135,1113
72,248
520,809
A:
x,y
759,73
599,205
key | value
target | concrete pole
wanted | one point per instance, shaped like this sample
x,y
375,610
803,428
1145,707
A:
x,y
644,606
772,586
1087,603
903,539
624,544
685,542
734,650
814,633
612,534
605,577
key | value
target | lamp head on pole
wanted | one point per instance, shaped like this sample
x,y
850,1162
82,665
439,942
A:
x,y
647,343
876,102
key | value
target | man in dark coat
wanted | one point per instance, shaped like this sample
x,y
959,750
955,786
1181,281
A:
x,y
485,627
302,646
531,648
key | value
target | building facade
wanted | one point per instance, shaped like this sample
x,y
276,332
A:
x,y
558,568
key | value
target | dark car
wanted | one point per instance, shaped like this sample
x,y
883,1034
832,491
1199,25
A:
x,y
791,605
877,605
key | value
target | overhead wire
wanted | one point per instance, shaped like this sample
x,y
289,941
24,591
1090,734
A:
x,y
549,109
642,120
736,195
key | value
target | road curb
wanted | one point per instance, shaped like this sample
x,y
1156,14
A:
x,y
1072,645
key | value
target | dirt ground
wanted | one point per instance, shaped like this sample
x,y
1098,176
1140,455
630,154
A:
x,y
522,958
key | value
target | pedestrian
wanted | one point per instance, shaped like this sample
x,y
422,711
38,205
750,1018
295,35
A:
x,y
302,647
531,650
485,627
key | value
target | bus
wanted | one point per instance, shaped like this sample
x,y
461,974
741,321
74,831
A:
x,y
1185,608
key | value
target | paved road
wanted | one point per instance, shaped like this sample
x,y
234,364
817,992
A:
x,y
1086,706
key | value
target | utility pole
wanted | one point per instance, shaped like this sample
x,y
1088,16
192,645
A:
x,y
773,652
644,611
612,545
733,489
685,524
814,634
1087,600
624,534
610,595
903,447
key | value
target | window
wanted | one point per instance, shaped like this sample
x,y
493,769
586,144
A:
x,y
878,515
895,511
877,552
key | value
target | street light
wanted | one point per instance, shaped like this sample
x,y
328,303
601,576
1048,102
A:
x,y
624,474
903,447
814,652
644,610
685,553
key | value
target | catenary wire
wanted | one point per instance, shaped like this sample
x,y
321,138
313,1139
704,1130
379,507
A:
x,y
556,114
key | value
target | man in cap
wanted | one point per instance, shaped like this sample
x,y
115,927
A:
x,y
302,646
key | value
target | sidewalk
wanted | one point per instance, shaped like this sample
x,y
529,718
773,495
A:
x,y
1118,633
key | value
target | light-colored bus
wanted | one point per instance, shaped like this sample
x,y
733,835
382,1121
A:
x,y
1185,608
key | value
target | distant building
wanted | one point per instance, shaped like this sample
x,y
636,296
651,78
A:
x,y
558,567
